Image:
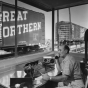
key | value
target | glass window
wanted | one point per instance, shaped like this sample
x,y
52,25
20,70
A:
x,y
72,30
79,19
34,30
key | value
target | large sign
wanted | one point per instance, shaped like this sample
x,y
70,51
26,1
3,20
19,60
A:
x,y
22,16
30,26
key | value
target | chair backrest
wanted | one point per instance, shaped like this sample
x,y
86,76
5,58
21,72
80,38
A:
x,y
22,81
84,71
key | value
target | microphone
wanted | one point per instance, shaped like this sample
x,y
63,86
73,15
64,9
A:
x,y
57,57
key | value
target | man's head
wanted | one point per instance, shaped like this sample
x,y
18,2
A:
x,y
64,50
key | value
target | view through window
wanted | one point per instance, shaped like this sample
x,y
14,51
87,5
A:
x,y
71,27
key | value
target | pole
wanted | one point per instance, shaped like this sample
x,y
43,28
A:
x,y
70,35
15,28
57,29
53,29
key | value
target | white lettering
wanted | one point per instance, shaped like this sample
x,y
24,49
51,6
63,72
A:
x,y
25,14
5,32
5,16
19,28
35,26
12,15
35,36
39,25
25,28
19,16
0,17
12,30
30,27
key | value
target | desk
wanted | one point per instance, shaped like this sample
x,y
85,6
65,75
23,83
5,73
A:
x,y
40,83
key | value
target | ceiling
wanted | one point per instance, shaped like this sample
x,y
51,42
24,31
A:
x,y
48,5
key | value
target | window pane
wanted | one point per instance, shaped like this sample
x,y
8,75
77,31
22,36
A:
x,y
33,30
79,19
62,27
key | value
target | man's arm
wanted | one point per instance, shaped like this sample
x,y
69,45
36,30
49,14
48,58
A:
x,y
58,65
55,78
58,78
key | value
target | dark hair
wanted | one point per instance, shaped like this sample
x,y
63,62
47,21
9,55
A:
x,y
67,48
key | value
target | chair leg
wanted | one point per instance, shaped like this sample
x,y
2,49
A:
x,y
86,83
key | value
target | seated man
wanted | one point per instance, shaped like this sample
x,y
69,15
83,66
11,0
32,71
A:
x,y
71,73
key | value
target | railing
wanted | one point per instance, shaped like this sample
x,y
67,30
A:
x,y
79,48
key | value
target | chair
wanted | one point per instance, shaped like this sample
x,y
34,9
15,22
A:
x,y
28,82
84,71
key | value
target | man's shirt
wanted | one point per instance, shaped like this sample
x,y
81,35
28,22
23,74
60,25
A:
x,y
71,68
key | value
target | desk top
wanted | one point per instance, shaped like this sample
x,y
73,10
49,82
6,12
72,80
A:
x,y
39,81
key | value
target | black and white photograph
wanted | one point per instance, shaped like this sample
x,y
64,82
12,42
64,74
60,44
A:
x,y
43,43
